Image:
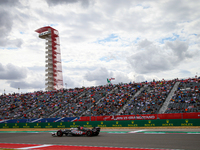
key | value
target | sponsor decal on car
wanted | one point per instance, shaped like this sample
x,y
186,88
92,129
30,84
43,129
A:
x,y
77,132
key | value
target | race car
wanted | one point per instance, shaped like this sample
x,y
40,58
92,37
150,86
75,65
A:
x,y
79,131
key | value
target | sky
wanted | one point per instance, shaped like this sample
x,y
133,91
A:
x,y
129,40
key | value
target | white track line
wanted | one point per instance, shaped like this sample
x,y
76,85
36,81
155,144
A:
x,y
32,147
136,131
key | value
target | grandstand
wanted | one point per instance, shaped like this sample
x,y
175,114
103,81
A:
x,y
159,97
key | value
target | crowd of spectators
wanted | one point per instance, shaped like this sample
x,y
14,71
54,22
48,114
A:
x,y
113,102
34,105
60,103
77,105
102,100
151,98
186,98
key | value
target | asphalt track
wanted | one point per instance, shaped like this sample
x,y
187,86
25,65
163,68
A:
x,y
135,140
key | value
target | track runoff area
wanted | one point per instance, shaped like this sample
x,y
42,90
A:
x,y
132,139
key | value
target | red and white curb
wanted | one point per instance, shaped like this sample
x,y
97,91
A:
x,y
69,147
33,147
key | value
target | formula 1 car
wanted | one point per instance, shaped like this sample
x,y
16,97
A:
x,y
79,131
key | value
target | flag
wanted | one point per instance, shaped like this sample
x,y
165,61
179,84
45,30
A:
x,y
108,80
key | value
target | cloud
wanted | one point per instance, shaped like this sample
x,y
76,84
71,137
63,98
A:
x,y
5,25
153,59
99,75
140,78
84,3
144,43
185,72
37,68
25,85
180,11
12,72
120,77
101,39
68,82
9,2
14,43
179,48
7,18
1,68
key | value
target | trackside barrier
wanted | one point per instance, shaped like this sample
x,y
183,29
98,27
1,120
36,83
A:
x,y
143,117
193,115
127,123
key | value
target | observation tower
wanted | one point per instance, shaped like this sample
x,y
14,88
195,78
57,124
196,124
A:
x,y
53,67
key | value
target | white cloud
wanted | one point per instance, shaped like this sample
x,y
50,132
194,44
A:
x,y
153,59
129,40
12,72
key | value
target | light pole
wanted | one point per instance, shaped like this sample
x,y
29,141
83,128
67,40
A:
x,y
66,85
90,109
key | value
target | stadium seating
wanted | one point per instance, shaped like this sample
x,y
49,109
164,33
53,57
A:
x,y
113,102
150,100
118,99
186,98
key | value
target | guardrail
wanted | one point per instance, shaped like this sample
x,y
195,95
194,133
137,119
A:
x,y
127,123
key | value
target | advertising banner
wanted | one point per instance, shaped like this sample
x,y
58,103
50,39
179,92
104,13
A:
x,y
142,117
112,123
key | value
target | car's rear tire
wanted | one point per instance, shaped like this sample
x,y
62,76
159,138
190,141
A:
x,y
59,133
89,133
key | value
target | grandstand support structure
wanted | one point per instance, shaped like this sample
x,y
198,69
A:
x,y
166,103
89,109
51,115
53,67
126,105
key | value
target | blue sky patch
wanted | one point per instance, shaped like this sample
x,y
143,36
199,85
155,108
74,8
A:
x,y
106,59
144,7
172,38
66,61
110,38
51,25
126,43
9,48
137,39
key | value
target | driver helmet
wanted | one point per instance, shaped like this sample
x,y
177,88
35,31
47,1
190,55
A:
x,y
81,128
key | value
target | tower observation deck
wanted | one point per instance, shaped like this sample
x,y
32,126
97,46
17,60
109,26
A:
x,y
53,67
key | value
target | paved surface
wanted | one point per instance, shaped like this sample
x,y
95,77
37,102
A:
x,y
170,141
